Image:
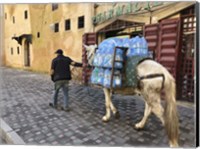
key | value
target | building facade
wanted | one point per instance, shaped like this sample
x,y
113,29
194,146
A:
x,y
33,32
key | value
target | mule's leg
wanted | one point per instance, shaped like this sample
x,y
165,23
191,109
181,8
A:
x,y
114,110
158,110
147,112
107,104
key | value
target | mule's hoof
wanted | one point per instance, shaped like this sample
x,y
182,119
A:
x,y
117,115
137,127
105,119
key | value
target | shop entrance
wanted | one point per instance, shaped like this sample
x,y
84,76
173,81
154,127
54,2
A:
x,y
172,48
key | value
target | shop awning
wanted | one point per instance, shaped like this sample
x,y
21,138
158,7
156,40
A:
x,y
28,37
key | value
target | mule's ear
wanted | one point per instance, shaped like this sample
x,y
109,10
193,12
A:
x,y
85,46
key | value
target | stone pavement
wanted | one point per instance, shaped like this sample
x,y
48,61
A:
x,y
24,107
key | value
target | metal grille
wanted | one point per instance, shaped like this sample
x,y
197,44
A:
x,y
189,24
186,82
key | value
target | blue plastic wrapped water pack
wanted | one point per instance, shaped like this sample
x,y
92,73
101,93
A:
x,y
97,76
102,77
104,55
137,47
117,78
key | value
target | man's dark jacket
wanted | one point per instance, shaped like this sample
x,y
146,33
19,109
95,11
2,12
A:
x,y
61,67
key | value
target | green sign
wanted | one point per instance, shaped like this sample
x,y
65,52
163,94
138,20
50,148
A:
x,y
124,9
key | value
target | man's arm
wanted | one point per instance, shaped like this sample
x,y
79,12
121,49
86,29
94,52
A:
x,y
76,64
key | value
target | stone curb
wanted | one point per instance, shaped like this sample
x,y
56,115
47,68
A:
x,y
9,135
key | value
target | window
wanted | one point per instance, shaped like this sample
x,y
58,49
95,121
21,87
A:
x,y
67,24
56,27
11,50
38,34
25,14
54,7
18,50
13,20
81,22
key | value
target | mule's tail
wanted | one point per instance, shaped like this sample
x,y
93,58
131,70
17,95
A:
x,y
170,115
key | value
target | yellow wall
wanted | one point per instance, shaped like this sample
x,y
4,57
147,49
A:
x,y
40,19
20,26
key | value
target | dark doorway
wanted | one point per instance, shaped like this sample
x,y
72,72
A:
x,y
27,53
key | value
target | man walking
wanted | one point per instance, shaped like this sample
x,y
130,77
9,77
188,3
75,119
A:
x,y
60,75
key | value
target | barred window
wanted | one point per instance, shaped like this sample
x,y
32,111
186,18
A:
x,y
13,20
81,22
54,7
18,50
38,34
67,24
26,14
56,27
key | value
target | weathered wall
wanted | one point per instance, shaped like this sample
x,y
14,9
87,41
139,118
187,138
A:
x,y
40,19
70,41
20,26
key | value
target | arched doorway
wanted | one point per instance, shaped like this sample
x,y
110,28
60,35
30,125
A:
x,y
27,53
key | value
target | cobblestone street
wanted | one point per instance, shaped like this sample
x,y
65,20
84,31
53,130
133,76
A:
x,y
24,107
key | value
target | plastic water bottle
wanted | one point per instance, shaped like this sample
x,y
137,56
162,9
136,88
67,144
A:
x,y
118,57
94,76
138,45
107,61
107,78
126,42
144,46
100,76
117,79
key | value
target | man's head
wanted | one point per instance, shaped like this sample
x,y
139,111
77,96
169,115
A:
x,y
59,51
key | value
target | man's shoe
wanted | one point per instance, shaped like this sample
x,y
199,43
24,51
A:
x,y
66,109
51,105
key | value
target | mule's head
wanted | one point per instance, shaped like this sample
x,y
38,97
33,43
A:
x,y
90,53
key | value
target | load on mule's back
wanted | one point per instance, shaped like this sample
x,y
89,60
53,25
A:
x,y
147,77
114,60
